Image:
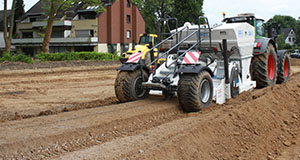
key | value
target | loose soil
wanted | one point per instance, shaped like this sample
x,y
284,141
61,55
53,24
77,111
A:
x,y
72,113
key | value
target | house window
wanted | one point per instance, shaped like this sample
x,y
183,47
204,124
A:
x,y
292,32
290,39
33,19
27,34
84,33
84,49
128,19
57,34
112,48
87,15
128,34
57,49
128,4
124,48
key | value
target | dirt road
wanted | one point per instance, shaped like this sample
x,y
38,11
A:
x,y
72,113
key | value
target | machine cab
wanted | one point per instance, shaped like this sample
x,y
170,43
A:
x,y
250,18
150,39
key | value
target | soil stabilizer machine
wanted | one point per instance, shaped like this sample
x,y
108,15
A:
x,y
203,64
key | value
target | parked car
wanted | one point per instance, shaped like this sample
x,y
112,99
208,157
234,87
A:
x,y
295,54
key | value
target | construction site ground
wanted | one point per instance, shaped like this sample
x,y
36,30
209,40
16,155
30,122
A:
x,y
72,113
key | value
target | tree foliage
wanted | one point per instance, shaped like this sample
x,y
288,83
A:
x,y
183,10
153,10
298,33
280,41
187,11
53,8
285,21
19,11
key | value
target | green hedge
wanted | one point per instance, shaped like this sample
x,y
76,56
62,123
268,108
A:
x,y
71,56
16,58
291,50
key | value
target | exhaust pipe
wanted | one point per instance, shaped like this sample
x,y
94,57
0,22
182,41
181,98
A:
x,y
133,45
226,64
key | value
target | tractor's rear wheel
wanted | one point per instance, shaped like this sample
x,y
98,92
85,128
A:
x,y
128,86
284,69
264,68
195,91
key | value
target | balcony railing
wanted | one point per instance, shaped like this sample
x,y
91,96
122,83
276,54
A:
x,y
37,41
55,24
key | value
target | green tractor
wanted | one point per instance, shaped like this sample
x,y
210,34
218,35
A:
x,y
269,65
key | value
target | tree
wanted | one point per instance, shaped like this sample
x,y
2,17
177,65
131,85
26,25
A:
x,y
19,12
287,22
280,41
298,33
153,10
8,34
188,11
183,10
52,8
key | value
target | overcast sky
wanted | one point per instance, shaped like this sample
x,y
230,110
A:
x,y
213,9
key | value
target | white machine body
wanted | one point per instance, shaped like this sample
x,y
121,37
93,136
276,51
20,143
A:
x,y
240,41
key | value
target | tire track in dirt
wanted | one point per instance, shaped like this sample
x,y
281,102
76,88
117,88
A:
x,y
103,125
11,116
57,80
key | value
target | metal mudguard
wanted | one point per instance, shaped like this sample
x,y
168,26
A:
x,y
194,69
264,45
129,67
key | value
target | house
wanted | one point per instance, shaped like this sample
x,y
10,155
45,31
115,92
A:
x,y
289,36
80,28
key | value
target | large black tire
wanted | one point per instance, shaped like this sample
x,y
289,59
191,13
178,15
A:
x,y
234,81
264,68
195,91
284,68
128,86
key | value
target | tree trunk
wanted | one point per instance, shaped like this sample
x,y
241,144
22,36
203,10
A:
x,y
11,27
5,25
47,37
8,38
8,46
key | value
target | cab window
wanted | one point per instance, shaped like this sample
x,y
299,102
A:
x,y
155,41
260,28
145,40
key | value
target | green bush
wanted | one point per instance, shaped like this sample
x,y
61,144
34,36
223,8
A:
x,y
11,57
287,46
73,56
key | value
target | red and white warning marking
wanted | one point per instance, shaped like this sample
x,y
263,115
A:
x,y
135,57
191,57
